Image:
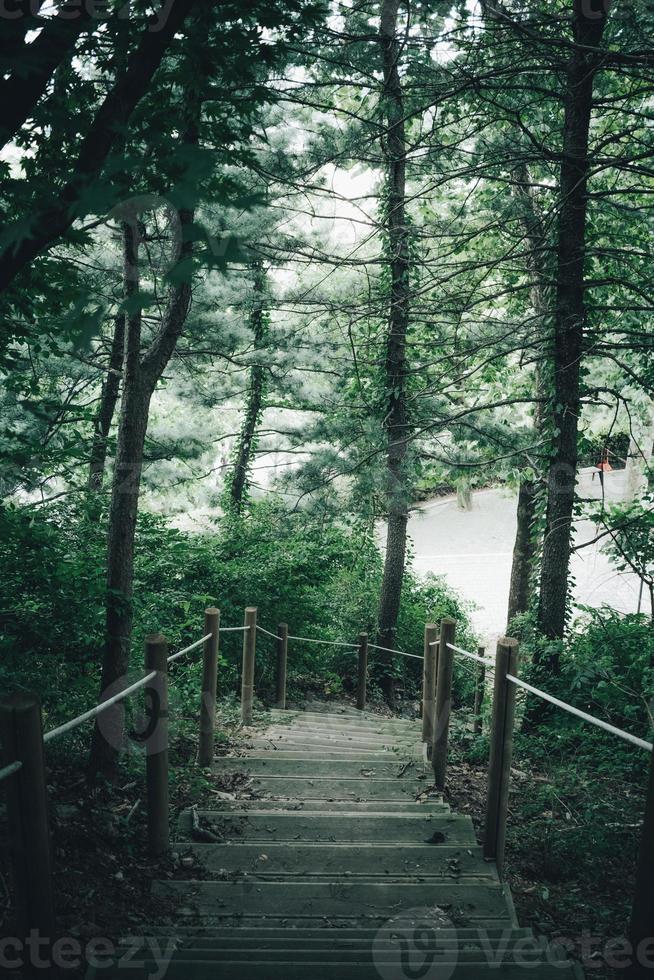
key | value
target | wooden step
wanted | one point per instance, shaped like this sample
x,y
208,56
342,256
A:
x,y
359,722
327,868
318,970
342,860
360,769
294,825
304,788
264,750
462,903
527,954
262,747
361,746
319,806
260,934
345,737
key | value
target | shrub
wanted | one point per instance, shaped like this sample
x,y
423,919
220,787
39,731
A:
x,y
321,578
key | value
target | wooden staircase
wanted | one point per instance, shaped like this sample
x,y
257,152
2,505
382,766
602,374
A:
x,y
336,861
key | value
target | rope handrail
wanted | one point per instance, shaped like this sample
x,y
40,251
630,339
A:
x,y
401,653
310,639
203,639
578,713
339,643
193,646
466,653
329,643
76,722
10,770
93,712
267,632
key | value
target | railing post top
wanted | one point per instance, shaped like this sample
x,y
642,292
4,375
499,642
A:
x,y
155,639
20,701
431,626
212,610
448,621
507,643
363,637
282,626
251,610
156,653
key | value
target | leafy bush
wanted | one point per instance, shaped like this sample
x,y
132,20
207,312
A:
x,y
577,791
321,578
607,670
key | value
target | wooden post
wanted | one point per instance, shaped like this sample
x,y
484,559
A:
x,y
430,669
209,684
501,751
27,810
156,745
362,675
443,701
480,685
249,653
282,657
641,928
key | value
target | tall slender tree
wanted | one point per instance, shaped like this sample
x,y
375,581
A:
x,y
107,405
584,62
254,402
396,231
537,263
141,373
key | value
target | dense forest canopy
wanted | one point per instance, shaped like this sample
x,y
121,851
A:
x,y
272,272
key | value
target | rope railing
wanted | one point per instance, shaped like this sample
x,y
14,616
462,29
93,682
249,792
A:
x,y
471,656
275,636
563,705
76,722
10,770
329,643
400,653
93,712
578,713
104,705
337,643
193,646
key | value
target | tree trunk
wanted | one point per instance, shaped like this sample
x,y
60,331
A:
x,y
523,552
396,417
140,376
108,400
569,320
254,403
122,520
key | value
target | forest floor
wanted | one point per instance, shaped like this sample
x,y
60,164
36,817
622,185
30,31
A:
x,y
562,885
103,875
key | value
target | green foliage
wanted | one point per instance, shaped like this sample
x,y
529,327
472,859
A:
x,y
631,541
578,791
607,670
320,577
